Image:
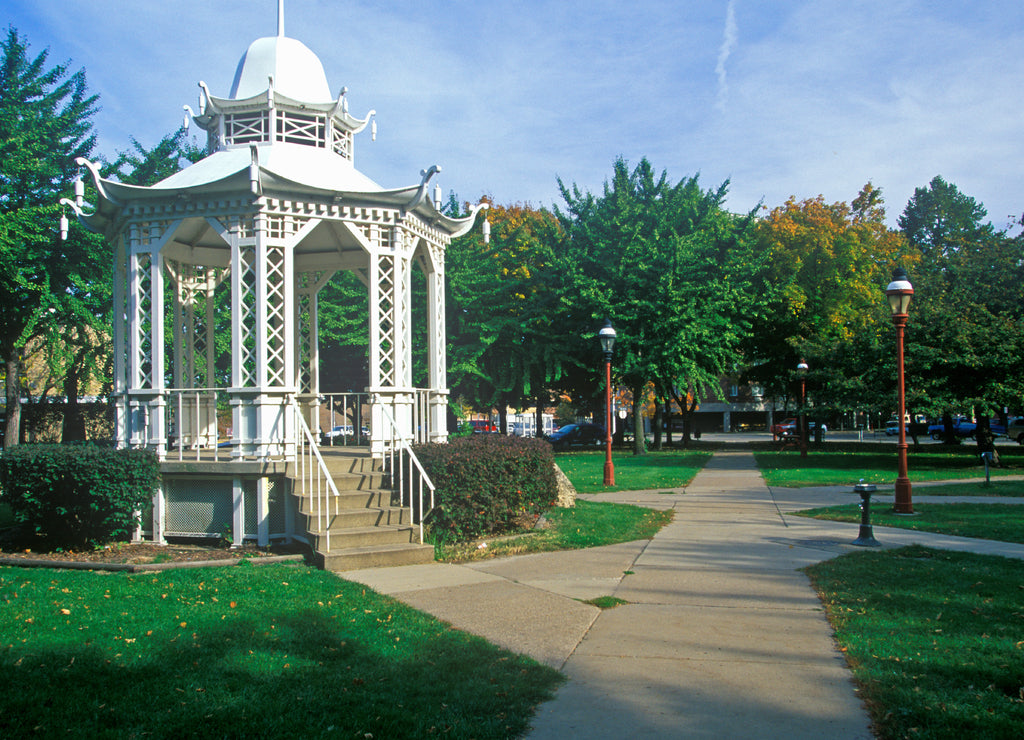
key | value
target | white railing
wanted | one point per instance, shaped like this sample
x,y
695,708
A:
x,y
348,418
189,426
406,472
316,480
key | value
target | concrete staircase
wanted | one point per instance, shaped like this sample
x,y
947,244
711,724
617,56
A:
x,y
368,528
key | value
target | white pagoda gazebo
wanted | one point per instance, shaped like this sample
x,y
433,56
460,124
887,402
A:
x,y
269,215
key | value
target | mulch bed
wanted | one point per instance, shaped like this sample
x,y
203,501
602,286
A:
x,y
146,556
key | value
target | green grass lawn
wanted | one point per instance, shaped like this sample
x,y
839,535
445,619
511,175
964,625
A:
x,y
1000,488
270,651
1002,522
656,470
588,524
847,464
935,639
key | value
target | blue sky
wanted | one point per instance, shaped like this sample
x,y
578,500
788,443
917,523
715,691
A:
x,y
784,99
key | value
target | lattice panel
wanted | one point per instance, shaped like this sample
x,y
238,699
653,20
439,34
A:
x,y
277,494
280,226
144,324
193,287
247,305
276,499
403,328
440,339
242,227
246,128
341,142
276,305
386,306
150,232
301,128
198,506
383,235
304,338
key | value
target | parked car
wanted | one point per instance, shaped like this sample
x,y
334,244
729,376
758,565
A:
x,y
966,429
787,428
938,430
334,435
892,427
483,426
1015,429
577,436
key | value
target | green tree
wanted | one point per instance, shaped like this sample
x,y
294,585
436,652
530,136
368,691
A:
x,y
45,124
965,334
142,166
671,269
502,348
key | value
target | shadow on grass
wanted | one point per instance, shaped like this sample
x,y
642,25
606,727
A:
x,y
349,662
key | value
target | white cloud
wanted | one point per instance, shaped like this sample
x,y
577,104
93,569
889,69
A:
x,y
820,97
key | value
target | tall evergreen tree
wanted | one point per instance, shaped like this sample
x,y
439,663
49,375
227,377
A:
x,y
45,123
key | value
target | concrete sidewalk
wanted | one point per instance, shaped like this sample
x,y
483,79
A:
x,y
723,636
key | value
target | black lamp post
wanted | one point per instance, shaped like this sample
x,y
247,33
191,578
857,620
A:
x,y
801,369
899,292
607,337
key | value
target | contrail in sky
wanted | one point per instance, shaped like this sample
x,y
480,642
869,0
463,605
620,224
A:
x,y
728,43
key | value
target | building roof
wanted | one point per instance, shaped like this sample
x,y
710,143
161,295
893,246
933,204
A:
x,y
294,69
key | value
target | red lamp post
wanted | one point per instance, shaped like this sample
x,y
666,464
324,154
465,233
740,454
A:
x,y
607,337
899,292
801,369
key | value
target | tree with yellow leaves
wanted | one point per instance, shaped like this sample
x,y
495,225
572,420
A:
x,y
829,262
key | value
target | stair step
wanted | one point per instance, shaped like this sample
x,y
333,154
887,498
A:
x,y
350,500
366,529
345,481
356,558
349,518
342,539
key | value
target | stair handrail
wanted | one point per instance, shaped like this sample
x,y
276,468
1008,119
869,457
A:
x,y
308,459
395,443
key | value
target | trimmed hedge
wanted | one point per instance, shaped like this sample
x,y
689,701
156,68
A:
x,y
76,496
488,484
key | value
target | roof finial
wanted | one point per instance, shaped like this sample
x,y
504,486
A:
x,y
280,17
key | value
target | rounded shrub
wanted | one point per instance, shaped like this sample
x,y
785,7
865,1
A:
x,y
488,484
76,496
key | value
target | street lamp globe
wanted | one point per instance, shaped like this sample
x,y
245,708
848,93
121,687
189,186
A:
x,y
899,292
607,337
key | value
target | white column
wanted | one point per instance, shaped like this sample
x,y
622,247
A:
x,y
121,433
158,405
436,347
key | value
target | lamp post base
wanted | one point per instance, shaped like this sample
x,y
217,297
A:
x,y
903,504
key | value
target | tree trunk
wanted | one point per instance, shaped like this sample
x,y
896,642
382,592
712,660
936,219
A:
x,y
538,429
984,437
73,428
659,425
639,436
12,387
948,435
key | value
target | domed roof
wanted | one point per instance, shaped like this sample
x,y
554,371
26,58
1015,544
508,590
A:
x,y
297,72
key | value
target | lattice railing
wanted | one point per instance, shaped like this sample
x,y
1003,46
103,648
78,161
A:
x,y
301,128
247,128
